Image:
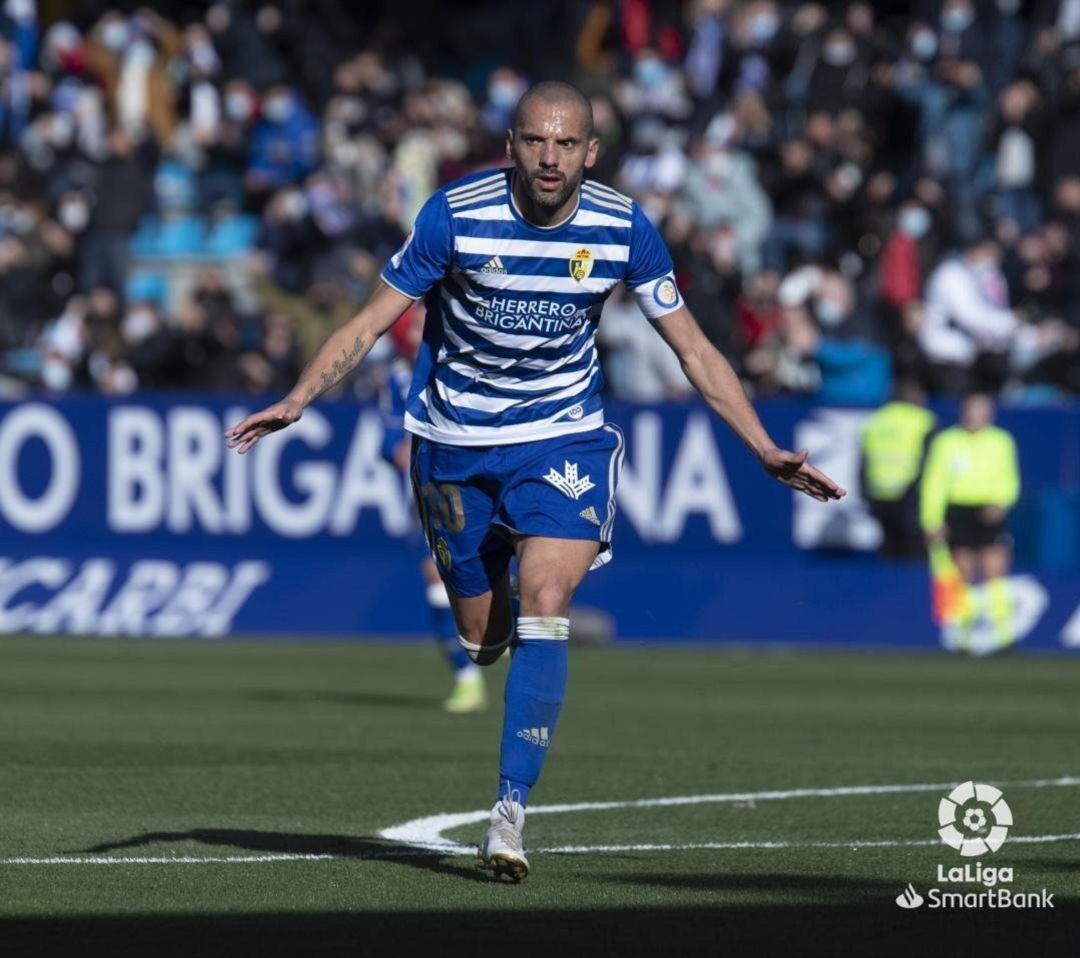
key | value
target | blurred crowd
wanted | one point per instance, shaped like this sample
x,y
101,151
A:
x,y
192,196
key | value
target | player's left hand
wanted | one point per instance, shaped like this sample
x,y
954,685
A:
x,y
792,469
244,435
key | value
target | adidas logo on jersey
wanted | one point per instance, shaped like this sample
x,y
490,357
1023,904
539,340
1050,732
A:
x,y
567,481
493,265
537,736
589,515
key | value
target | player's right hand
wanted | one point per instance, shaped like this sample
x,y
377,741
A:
x,y
244,435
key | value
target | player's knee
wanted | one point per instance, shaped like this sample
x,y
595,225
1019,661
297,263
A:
x,y
548,597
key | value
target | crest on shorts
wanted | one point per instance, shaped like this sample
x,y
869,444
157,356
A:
x,y
442,553
581,264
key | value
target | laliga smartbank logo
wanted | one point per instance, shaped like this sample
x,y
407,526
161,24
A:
x,y
974,819
965,816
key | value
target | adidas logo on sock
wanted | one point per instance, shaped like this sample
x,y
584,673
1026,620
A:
x,y
493,265
538,736
589,515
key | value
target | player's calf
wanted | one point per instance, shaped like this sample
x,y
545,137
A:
x,y
485,654
485,623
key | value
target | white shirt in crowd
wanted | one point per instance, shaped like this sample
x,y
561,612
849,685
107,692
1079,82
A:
x,y
966,313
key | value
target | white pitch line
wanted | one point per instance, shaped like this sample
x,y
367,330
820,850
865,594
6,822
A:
x,y
556,850
422,836
856,843
427,832
165,859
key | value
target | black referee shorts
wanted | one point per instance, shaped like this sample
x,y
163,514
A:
x,y
968,529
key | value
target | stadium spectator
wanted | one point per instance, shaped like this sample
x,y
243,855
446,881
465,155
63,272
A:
x,y
879,144
123,187
968,324
284,143
637,363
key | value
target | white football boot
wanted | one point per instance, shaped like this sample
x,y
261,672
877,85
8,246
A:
x,y
502,850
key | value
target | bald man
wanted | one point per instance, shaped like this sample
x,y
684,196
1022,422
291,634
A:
x,y
512,456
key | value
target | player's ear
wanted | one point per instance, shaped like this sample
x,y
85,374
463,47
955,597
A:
x,y
592,152
509,144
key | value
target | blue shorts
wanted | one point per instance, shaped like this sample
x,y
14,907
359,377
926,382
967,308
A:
x,y
474,500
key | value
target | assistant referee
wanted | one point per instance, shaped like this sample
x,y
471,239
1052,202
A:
x,y
971,481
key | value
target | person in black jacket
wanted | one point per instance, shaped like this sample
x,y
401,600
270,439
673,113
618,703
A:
x,y
124,191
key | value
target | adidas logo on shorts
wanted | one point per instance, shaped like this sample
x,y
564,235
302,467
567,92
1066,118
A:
x,y
589,515
538,736
493,265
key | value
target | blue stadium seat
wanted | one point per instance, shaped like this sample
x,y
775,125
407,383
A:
x,y
232,236
147,286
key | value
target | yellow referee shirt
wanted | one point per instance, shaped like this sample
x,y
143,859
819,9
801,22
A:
x,y
968,469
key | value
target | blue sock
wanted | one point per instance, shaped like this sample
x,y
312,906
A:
x,y
534,694
445,629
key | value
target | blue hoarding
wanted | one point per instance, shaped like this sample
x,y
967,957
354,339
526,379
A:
x,y
130,516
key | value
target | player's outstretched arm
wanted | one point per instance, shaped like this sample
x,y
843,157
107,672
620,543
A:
x,y
335,359
712,376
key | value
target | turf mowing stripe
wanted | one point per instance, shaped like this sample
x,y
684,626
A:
x,y
556,850
427,832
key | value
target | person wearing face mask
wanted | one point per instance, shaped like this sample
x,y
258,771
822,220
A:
x,y
149,347
901,270
760,26
123,191
922,42
131,59
721,188
852,370
839,78
284,144
967,320
654,89
227,151
505,87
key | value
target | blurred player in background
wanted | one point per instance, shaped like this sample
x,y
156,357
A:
x,y
512,456
469,694
971,481
894,444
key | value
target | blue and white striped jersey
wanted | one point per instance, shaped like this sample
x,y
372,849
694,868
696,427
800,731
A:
x,y
509,350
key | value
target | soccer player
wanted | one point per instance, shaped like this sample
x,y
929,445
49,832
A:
x,y
511,454
469,693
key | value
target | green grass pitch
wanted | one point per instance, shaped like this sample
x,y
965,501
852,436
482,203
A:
x,y
232,750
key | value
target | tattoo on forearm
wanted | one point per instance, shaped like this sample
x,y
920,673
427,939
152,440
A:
x,y
339,368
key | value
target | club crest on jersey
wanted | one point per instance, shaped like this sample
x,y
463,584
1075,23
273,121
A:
x,y
568,482
581,264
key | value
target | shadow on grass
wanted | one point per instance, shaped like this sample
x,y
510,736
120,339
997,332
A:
x,y
379,699
876,928
352,847
823,886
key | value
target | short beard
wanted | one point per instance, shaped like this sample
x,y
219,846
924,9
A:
x,y
546,200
